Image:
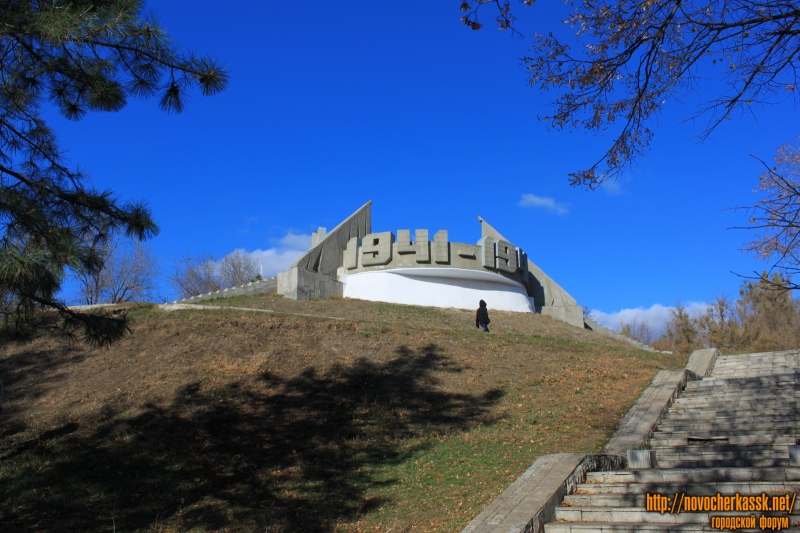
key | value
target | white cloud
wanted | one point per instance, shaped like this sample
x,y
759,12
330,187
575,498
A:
x,y
294,241
282,256
274,260
548,204
656,316
612,187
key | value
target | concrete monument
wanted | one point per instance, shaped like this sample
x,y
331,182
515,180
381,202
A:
x,y
354,262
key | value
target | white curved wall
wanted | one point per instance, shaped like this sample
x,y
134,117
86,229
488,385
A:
x,y
438,287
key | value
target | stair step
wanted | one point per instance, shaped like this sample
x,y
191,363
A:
x,y
714,463
720,447
698,489
759,384
742,380
734,419
702,475
669,440
711,416
633,500
724,433
746,408
744,383
742,453
727,378
733,411
741,404
627,515
671,427
613,499
736,409
783,375
790,398
753,373
640,516
720,421
746,386
605,527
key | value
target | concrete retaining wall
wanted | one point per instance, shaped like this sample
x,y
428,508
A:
x,y
300,284
545,291
572,314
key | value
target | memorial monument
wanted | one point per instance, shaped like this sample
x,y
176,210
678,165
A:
x,y
355,262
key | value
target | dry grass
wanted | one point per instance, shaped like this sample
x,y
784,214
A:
x,y
391,418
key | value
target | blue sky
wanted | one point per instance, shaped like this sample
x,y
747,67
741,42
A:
x,y
334,104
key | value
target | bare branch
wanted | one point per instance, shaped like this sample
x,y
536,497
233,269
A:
x,y
640,54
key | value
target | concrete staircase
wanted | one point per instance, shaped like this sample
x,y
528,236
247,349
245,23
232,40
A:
x,y
728,433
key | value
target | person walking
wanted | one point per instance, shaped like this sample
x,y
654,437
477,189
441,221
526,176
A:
x,y
482,317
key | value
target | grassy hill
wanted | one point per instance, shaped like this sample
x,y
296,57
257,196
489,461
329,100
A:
x,y
330,415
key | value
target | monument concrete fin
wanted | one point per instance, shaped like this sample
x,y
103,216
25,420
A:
x,y
550,292
326,256
489,231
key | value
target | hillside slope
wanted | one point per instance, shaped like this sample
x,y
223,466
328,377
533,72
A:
x,y
379,417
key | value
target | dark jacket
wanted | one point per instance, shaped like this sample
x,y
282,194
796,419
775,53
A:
x,y
482,316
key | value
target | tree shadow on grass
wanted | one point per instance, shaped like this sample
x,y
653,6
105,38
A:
x,y
272,454
41,363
